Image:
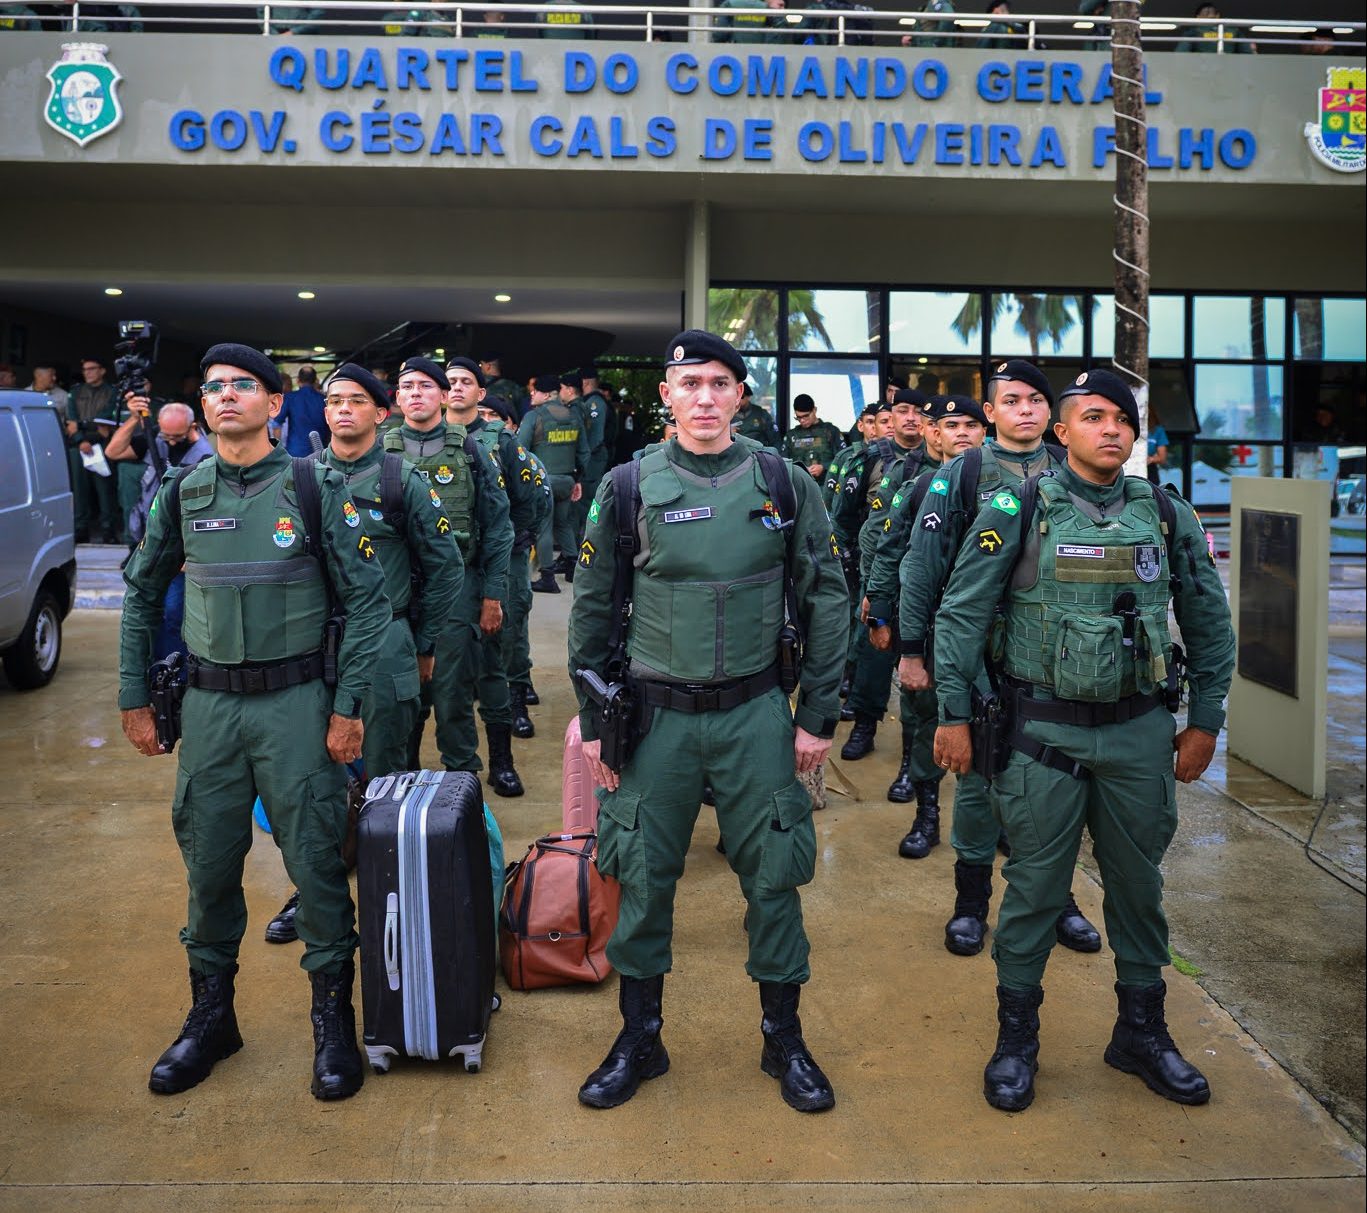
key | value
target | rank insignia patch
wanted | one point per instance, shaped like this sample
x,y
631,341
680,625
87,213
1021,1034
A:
x,y
587,554
443,526
931,522
365,547
989,542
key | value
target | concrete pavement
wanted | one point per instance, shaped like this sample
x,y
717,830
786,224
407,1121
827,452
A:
x,y
94,986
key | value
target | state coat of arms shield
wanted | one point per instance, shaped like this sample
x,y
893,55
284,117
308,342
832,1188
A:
x,y
1339,138
83,103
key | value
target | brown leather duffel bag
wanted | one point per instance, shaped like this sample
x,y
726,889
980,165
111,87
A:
x,y
558,912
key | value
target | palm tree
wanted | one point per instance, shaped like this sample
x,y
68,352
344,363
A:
x,y
748,317
1037,316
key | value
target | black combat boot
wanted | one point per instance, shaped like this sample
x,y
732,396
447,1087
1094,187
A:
x,y
860,741
785,1056
1009,1079
210,1034
522,723
638,1053
965,932
546,583
1141,1045
846,712
530,697
337,1069
280,929
925,830
503,777
1074,931
903,790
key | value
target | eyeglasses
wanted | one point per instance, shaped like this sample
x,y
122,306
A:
x,y
356,402
243,387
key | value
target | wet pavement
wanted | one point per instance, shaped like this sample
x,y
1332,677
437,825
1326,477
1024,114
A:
x,y
92,987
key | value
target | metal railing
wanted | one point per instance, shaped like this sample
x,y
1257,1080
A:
x,y
792,27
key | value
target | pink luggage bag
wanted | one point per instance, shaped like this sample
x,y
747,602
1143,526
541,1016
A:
x,y
579,805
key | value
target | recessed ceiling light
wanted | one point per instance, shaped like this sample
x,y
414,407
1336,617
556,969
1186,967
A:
x,y
307,295
113,290
503,298
922,361
441,351
320,349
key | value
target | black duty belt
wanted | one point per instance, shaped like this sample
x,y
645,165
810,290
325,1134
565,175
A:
x,y
711,697
254,679
1073,711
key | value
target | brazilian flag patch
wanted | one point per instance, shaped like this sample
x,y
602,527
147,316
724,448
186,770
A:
x,y
593,512
1006,502
939,485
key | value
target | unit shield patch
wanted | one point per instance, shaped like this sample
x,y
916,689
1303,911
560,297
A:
x,y
1339,138
1147,562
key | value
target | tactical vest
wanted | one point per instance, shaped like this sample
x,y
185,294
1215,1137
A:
x,y
450,476
1063,630
708,591
558,446
390,543
251,594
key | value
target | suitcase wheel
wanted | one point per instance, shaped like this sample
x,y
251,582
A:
x,y
381,1057
472,1065
498,1002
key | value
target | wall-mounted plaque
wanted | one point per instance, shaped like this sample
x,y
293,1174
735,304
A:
x,y
1269,545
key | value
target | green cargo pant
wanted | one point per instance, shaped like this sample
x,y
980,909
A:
x,y
919,713
95,500
233,749
871,686
450,694
392,704
644,829
976,826
515,636
564,516
491,688
1129,804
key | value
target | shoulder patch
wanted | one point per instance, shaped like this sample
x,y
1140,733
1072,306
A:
x,y
989,542
365,547
939,485
436,500
593,512
587,554
896,500
1006,502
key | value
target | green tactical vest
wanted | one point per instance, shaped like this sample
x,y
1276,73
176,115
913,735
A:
x,y
708,591
1061,631
251,595
449,477
557,448
391,547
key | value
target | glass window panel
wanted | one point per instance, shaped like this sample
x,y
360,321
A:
x,y
1332,329
1330,408
1238,326
1170,403
1029,325
763,378
940,322
1215,463
841,387
1167,327
746,316
846,322
1239,403
941,376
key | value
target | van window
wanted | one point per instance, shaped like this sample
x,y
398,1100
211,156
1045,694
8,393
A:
x,y
49,452
14,486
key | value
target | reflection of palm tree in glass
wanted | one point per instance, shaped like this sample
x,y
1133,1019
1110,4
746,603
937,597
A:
x,y
1262,396
1310,328
748,318
1037,317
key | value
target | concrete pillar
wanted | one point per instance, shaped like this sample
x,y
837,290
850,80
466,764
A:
x,y
697,26
695,266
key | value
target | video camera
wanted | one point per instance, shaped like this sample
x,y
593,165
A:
x,y
137,355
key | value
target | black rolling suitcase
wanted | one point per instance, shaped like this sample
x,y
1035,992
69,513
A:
x,y
425,894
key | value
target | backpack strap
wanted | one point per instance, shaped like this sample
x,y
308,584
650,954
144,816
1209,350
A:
x,y
626,504
1167,515
391,491
784,496
310,499
970,473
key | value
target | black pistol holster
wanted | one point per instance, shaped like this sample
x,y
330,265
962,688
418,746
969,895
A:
x,y
616,716
166,678
990,728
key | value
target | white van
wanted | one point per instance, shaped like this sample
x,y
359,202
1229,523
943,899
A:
x,y
37,542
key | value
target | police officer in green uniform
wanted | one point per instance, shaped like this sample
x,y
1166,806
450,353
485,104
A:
x,y
835,470
475,505
753,421
1018,406
554,432
259,716
1084,584
811,443
415,537
702,643
889,461
593,406
524,482
497,386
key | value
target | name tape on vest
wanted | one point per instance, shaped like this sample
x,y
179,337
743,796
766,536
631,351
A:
x,y
1080,552
215,524
704,511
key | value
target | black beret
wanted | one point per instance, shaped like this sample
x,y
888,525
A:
x,y
468,364
547,383
1107,384
488,357
1024,372
368,383
746,391
939,407
572,379
897,381
499,406
909,395
229,353
881,406
803,403
588,371
426,367
871,409
693,347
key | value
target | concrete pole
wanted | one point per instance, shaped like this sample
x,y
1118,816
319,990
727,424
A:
x,y
696,258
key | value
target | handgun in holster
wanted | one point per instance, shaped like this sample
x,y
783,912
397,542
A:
x,y
1176,682
615,715
989,729
332,644
789,658
166,678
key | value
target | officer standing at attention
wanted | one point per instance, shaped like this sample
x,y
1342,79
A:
x,y
258,716
594,407
703,645
1084,583
408,532
475,505
1018,405
811,444
835,470
754,421
524,482
554,433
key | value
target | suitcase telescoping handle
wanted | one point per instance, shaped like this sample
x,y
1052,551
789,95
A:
x,y
391,940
